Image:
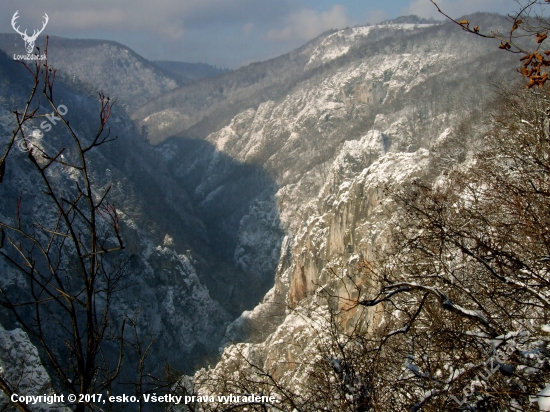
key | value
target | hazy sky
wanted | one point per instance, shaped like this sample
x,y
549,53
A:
x,y
227,33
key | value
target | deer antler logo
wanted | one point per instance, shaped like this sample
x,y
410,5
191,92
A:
x,y
29,40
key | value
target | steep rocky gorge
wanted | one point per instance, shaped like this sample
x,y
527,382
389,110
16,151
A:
x,y
269,181
379,112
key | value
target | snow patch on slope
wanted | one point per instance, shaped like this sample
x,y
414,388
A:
x,y
21,367
340,43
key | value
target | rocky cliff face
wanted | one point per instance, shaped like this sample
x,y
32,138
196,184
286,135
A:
x,y
162,288
375,107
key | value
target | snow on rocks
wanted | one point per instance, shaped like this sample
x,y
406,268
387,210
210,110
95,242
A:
x,y
21,367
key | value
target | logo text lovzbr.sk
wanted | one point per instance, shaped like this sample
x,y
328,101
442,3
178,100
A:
x,y
29,40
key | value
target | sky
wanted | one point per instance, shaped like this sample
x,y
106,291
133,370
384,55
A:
x,y
223,33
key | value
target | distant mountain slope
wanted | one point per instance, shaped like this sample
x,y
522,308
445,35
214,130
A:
x,y
201,108
189,110
102,65
189,72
